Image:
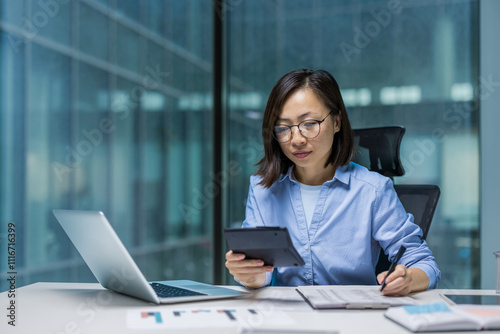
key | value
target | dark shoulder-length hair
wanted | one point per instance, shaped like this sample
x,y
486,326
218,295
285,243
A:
x,y
323,84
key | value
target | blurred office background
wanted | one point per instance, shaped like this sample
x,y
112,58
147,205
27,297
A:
x,y
108,105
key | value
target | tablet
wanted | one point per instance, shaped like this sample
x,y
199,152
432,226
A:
x,y
474,299
270,244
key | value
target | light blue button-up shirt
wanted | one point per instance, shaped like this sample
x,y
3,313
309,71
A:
x,y
357,213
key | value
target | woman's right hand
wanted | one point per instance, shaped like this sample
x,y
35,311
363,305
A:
x,y
252,273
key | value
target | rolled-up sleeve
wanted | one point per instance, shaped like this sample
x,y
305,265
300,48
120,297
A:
x,y
394,227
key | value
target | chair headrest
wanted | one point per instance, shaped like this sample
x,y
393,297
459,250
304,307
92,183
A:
x,y
378,149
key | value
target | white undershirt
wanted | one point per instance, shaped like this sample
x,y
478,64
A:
x,y
310,196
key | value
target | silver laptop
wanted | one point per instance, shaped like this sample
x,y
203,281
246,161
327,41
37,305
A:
x,y
114,268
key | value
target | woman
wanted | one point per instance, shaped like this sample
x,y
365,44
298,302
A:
x,y
338,213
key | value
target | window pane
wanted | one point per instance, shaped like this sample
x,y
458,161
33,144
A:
x,y
91,142
12,140
130,8
90,22
48,162
156,16
94,120
50,20
113,111
410,64
123,161
13,13
127,48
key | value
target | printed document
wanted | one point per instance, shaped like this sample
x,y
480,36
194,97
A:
x,y
350,296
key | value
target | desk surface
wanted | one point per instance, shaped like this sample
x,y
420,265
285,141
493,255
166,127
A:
x,y
88,308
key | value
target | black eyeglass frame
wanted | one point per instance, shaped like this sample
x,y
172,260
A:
x,y
298,127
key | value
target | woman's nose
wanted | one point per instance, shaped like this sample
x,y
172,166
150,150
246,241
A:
x,y
297,137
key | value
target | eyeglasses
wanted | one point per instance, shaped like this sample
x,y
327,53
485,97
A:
x,y
308,128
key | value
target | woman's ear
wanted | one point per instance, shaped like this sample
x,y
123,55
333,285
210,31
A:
x,y
336,123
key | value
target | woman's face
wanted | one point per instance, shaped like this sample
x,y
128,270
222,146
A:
x,y
308,154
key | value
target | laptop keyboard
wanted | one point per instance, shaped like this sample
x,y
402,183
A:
x,y
167,291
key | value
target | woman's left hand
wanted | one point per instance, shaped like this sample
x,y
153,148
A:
x,y
403,281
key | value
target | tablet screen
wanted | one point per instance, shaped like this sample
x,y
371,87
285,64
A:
x,y
475,299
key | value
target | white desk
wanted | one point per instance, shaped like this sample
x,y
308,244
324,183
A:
x,y
54,308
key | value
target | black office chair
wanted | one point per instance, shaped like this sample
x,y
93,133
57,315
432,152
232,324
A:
x,y
378,149
420,200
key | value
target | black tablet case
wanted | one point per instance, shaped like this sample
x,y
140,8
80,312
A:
x,y
270,244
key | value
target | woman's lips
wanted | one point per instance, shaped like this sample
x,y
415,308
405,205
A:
x,y
301,155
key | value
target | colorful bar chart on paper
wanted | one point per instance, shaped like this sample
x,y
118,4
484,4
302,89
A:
x,y
203,318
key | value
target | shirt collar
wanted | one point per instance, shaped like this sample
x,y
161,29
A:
x,y
342,174
289,175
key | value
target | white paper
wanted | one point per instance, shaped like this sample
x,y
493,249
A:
x,y
332,296
181,318
284,299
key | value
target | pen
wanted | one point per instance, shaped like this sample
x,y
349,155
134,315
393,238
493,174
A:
x,y
401,251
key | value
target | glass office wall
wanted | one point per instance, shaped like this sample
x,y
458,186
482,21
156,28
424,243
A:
x,y
97,113
107,105
410,63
